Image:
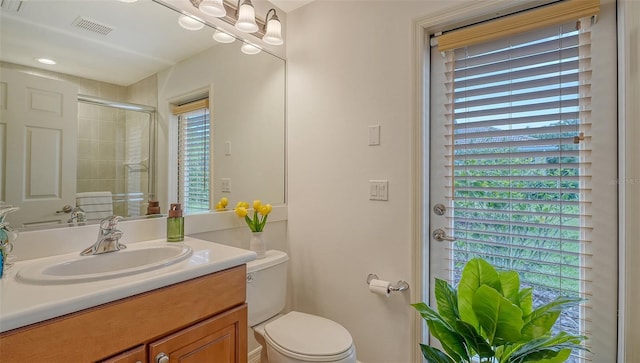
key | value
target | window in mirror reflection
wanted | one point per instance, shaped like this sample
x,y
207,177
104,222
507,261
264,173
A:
x,y
194,156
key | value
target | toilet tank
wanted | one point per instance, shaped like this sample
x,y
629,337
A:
x,y
266,286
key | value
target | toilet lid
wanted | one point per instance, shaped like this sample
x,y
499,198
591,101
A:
x,y
309,335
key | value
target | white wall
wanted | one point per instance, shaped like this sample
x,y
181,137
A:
x,y
247,110
349,66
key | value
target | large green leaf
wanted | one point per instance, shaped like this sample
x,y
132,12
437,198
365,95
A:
x,y
510,283
550,349
544,355
476,272
426,311
451,341
447,301
500,319
525,298
541,320
433,355
474,340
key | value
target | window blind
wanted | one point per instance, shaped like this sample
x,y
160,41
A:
x,y
518,149
558,12
194,160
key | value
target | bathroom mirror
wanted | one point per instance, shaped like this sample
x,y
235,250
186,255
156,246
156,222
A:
x,y
136,53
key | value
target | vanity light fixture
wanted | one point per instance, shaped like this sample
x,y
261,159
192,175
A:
x,y
213,8
248,48
243,17
189,22
246,17
223,37
273,29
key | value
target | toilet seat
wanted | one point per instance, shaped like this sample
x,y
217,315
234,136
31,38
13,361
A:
x,y
309,338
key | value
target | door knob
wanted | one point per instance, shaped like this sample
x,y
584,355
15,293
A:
x,y
162,358
66,209
440,235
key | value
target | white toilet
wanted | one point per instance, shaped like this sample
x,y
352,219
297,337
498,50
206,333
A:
x,y
294,337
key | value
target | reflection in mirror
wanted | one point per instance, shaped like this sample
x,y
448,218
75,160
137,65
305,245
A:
x,y
145,59
116,159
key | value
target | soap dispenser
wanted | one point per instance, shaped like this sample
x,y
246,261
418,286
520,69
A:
x,y
175,224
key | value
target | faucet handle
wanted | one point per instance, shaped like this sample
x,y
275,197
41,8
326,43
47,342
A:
x,y
109,222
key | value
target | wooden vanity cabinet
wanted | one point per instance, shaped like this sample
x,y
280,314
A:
x,y
135,355
199,320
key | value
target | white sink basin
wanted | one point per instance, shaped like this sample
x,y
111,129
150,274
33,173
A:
x,y
74,269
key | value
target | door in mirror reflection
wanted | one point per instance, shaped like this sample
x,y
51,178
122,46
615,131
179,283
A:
x,y
37,149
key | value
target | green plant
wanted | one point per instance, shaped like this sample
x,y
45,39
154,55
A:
x,y
491,319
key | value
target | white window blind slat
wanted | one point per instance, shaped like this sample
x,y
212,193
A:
x,y
525,120
516,77
559,142
519,160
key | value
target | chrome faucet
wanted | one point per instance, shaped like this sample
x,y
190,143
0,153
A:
x,y
108,238
77,216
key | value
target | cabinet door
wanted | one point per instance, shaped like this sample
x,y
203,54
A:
x,y
135,355
219,339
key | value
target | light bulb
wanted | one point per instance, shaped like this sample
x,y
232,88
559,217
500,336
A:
x,y
213,8
273,35
247,18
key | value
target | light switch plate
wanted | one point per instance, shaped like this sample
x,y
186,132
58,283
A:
x,y
225,185
374,135
379,190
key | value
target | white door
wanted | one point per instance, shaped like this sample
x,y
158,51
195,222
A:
x,y
38,124
484,219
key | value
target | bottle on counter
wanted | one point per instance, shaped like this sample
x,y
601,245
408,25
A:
x,y
153,207
175,223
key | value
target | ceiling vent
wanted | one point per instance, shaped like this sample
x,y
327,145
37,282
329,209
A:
x,y
92,26
11,5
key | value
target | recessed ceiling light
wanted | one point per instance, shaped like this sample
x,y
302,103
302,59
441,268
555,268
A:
x,y
46,61
190,23
250,49
223,37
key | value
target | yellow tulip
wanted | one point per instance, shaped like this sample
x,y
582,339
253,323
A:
x,y
241,211
256,204
224,202
242,204
265,209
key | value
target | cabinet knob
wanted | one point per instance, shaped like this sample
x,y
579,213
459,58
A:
x,y
162,358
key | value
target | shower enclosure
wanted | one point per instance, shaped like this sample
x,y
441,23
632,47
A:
x,y
116,152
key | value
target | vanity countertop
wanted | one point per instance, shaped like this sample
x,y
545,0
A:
x,y
23,303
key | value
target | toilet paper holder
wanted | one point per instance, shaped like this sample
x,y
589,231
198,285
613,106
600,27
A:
x,y
398,286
